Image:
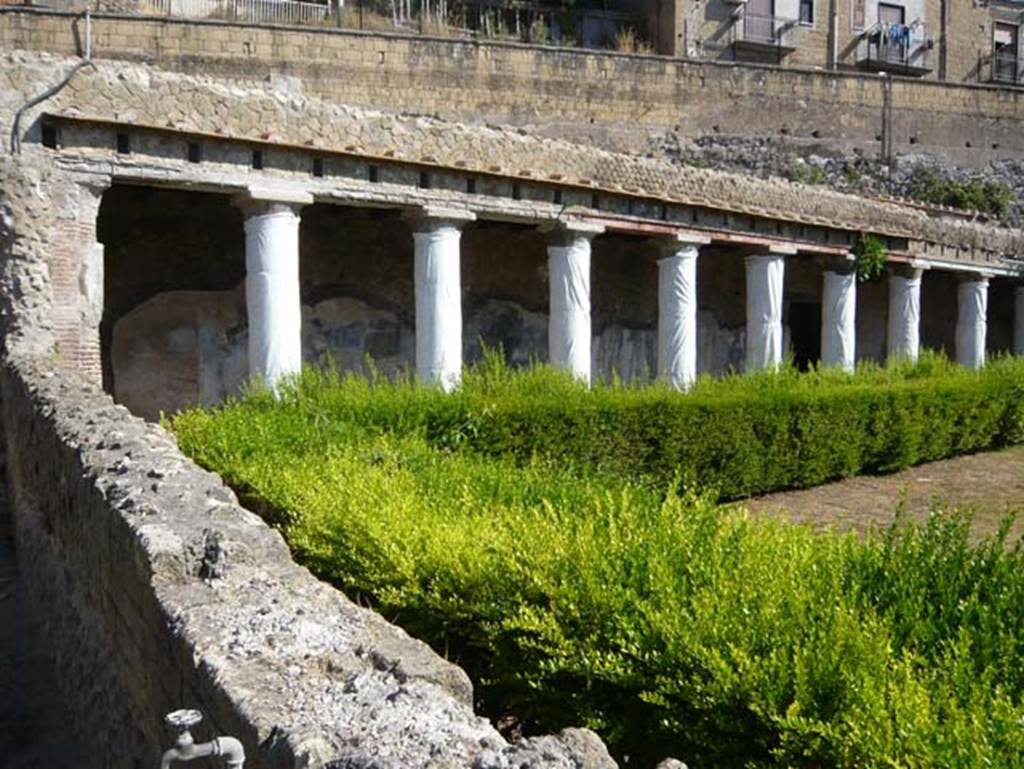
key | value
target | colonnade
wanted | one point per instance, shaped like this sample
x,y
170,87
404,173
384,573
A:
x,y
273,302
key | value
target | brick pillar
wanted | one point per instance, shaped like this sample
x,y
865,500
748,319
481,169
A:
x,y
76,279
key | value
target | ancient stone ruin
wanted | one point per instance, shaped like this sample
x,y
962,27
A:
x,y
174,224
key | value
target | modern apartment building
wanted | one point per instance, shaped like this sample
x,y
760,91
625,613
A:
x,y
977,41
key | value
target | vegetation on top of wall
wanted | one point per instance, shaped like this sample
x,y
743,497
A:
x,y
538,533
805,173
870,253
988,196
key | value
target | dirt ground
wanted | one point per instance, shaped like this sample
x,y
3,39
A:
x,y
990,484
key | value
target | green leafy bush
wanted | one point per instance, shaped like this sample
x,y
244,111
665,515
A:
x,y
526,526
870,253
929,184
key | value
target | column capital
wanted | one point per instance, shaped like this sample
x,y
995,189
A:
x,y
563,231
769,257
427,218
268,200
975,277
912,271
841,264
679,245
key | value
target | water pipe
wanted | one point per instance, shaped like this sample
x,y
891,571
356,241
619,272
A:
x,y
187,749
85,61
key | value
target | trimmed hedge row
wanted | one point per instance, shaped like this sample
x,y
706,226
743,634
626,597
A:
x,y
738,436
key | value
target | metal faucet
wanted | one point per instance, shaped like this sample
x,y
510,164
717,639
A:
x,y
186,749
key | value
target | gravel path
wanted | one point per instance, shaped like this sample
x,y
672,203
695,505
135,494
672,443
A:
x,y
990,484
34,730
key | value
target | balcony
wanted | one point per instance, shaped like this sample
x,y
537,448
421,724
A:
x,y
762,36
1007,68
898,49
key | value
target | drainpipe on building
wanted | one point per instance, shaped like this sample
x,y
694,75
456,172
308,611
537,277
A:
x,y
86,61
833,35
887,133
943,31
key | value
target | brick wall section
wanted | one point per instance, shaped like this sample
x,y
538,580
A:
x,y
72,245
612,98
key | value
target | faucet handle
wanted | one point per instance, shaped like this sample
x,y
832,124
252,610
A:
x,y
183,720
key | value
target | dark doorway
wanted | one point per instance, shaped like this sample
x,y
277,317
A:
x,y
805,333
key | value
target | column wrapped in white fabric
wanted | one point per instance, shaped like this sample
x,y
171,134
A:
x,y
765,275
438,305
1018,320
839,319
677,317
569,321
971,323
904,335
272,294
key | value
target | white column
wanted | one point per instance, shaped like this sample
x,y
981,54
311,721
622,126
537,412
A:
x,y
839,319
272,286
569,333
765,275
971,322
904,337
438,295
1018,320
677,313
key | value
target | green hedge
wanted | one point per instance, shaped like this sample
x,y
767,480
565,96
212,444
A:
x,y
575,593
737,436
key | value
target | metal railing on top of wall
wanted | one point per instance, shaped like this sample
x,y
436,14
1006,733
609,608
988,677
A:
x,y
253,11
602,24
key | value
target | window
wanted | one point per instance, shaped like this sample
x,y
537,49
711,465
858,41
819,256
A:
x,y
858,15
807,12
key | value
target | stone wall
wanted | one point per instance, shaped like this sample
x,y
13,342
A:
x,y
160,592
616,100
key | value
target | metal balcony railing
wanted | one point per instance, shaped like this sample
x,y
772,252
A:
x,y
1007,68
897,48
767,31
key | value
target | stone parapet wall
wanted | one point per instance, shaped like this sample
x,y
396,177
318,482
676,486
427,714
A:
x,y
616,100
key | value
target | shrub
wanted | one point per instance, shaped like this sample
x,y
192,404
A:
x,y
992,197
870,254
740,435
526,526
